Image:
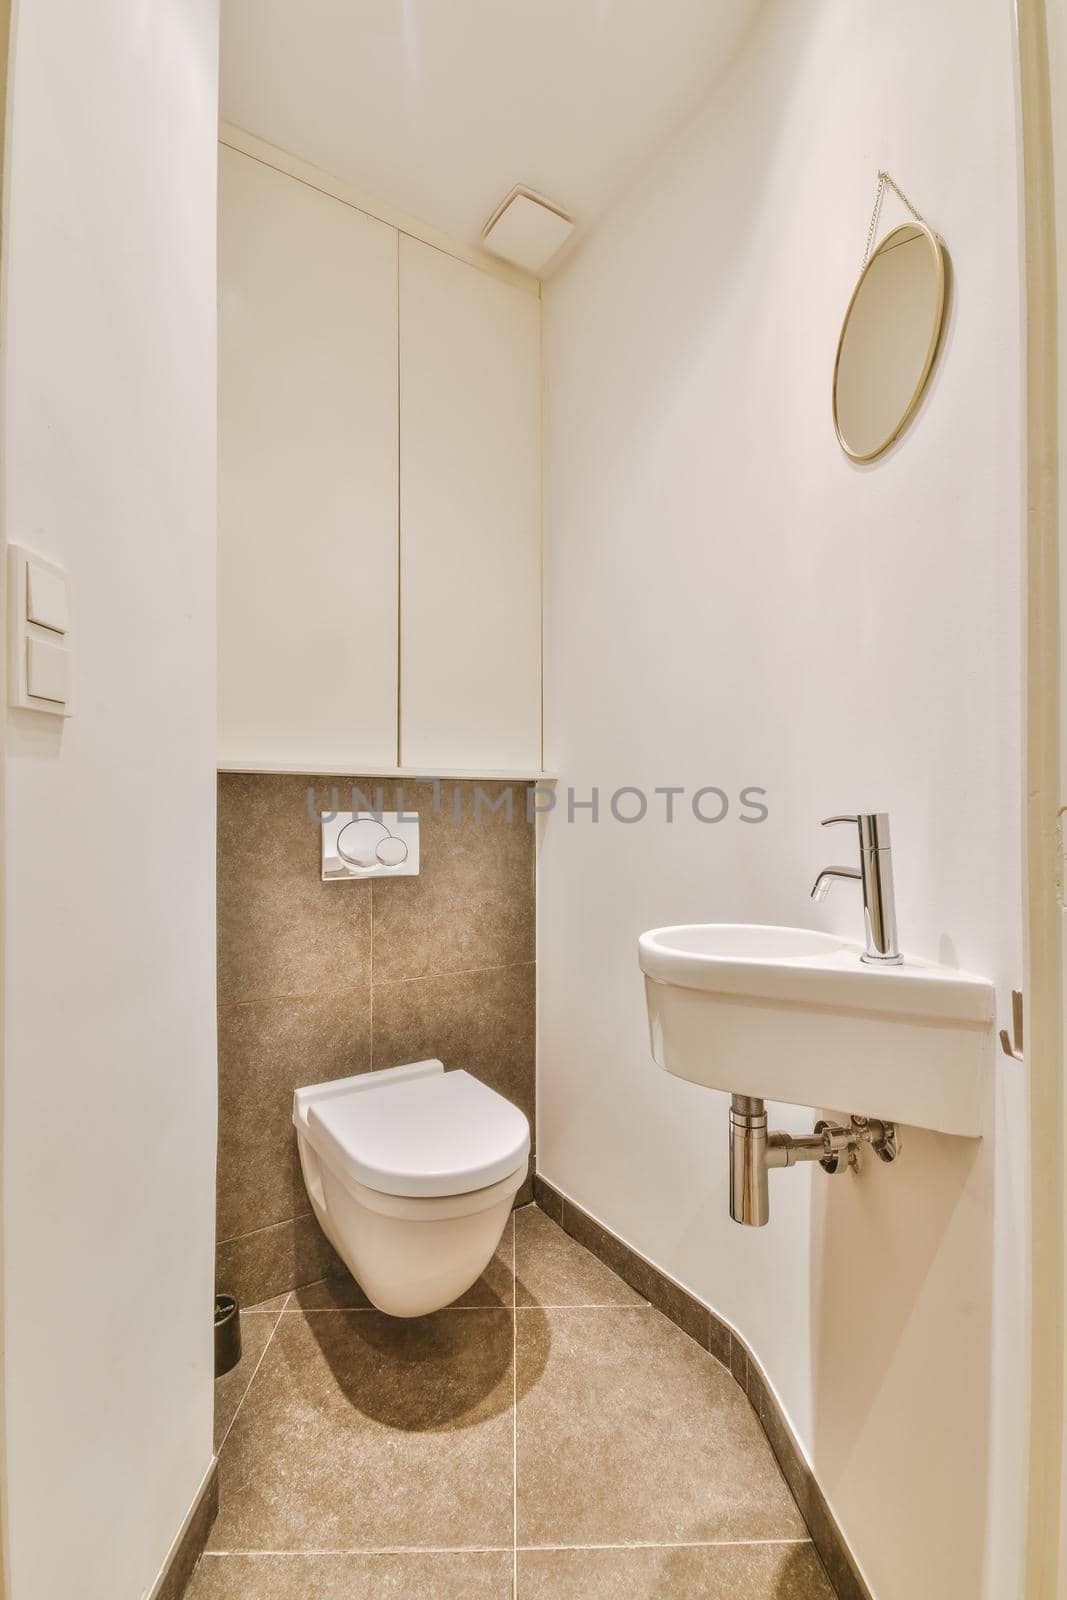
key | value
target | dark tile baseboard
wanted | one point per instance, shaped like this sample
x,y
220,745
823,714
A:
x,y
189,1545
716,1336
525,1195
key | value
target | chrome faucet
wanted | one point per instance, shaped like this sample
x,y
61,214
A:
x,y
875,873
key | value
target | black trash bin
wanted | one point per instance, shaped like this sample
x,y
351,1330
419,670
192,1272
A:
x,y
227,1334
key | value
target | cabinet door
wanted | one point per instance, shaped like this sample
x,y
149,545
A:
x,y
470,517
308,477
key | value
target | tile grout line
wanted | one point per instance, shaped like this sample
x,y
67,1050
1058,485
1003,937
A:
x,y
382,983
453,972
284,1222
252,1379
681,1544
589,1305
373,1550
500,1549
335,1311
514,1411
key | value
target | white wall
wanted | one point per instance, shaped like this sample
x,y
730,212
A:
x,y
730,601
108,829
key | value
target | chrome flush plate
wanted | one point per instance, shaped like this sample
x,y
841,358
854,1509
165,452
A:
x,y
369,844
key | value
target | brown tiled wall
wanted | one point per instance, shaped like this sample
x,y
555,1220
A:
x,y
321,980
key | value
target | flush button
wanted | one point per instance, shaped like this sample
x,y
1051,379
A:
x,y
369,844
47,671
46,597
392,852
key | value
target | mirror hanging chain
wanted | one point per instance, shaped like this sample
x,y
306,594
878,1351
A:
x,y
886,180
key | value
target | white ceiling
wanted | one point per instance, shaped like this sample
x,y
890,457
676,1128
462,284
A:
x,y
438,107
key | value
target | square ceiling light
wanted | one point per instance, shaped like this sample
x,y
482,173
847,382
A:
x,y
527,230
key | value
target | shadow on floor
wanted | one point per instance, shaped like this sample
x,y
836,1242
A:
x,y
425,1374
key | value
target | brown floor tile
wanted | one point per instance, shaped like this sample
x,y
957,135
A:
x,y
276,1303
363,1431
632,1432
437,1575
230,1389
472,904
553,1270
652,1285
482,1021
268,1048
717,1572
271,1260
340,1291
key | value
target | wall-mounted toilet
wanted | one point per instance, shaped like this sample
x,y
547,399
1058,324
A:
x,y
411,1173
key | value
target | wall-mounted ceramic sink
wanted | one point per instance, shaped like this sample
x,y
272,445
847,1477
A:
x,y
793,1015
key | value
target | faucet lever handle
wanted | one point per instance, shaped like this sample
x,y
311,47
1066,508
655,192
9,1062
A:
x,y
873,828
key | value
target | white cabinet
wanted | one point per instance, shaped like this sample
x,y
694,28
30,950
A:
x,y
379,507
470,499
308,476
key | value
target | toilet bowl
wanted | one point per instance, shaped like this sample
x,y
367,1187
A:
x,y
411,1173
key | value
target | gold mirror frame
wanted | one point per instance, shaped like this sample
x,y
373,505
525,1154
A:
x,y
931,354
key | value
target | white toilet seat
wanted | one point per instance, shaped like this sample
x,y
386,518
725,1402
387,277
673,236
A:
x,y
427,1135
412,1174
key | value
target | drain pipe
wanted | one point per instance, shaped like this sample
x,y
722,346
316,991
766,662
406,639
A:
x,y
754,1151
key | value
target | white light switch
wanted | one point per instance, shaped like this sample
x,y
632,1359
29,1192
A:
x,y
46,597
40,654
47,671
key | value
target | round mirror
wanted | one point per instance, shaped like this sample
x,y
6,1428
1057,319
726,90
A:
x,y
888,341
